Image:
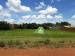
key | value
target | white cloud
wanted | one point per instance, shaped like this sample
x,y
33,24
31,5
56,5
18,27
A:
x,y
34,16
35,19
48,14
26,17
15,5
49,10
50,17
1,7
5,15
73,17
58,16
40,6
52,1
72,20
42,18
9,20
39,19
54,18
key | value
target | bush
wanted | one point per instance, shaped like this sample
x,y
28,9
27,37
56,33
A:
x,y
2,44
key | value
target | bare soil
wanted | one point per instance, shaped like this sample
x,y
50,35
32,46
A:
x,y
68,29
37,52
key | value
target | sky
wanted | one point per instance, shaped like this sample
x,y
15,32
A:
x,y
37,11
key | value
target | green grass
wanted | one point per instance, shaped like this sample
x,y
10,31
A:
x,y
28,37
28,34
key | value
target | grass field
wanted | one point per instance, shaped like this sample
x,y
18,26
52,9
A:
x,y
29,34
25,35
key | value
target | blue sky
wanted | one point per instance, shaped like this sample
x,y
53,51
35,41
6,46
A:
x,y
37,11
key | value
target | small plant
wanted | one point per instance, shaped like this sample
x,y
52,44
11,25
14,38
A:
x,y
47,42
11,43
2,44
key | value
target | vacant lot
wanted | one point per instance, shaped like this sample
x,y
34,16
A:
x,y
28,38
51,43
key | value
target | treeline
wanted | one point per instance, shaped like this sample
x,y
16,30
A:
x,y
6,26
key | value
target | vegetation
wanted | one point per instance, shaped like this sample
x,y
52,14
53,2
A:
x,y
6,26
24,36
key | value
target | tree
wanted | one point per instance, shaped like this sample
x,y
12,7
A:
x,y
4,25
47,25
65,24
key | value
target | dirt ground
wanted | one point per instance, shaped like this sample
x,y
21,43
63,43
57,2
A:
x,y
38,52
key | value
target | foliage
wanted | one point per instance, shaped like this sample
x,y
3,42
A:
x,y
6,26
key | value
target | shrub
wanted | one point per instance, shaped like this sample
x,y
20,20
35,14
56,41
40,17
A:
x,y
2,44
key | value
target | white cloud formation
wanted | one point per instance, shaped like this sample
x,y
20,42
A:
x,y
49,10
1,7
9,20
55,18
42,18
49,14
27,17
50,17
34,19
72,21
40,6
34,16
73,17
5,15
15,5
52,1
58,16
